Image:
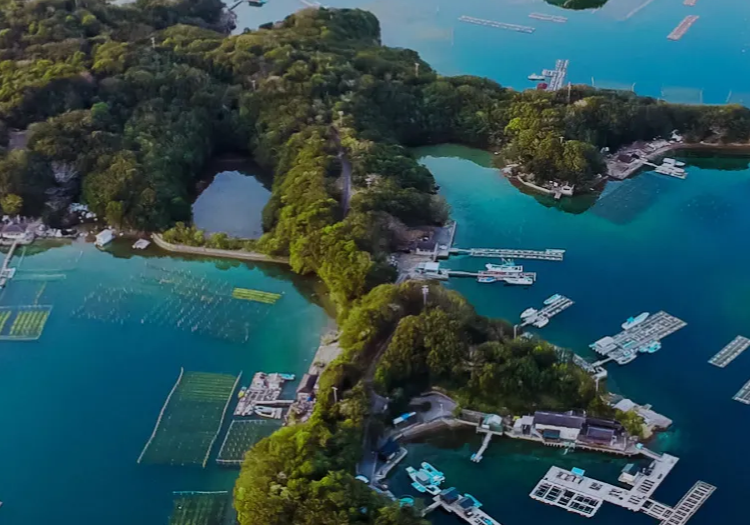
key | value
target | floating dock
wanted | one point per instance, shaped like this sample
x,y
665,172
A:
x,y
498,25
549,311
577,493
624,346
743,396
471,514
548,18
730,352
682,28
505,253
6,273
557,76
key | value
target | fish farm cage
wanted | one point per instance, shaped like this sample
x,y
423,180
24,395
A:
x,y
190,419
181,300
23,323
201,508
241,437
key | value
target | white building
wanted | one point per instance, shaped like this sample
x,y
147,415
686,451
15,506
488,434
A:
x,y
104,237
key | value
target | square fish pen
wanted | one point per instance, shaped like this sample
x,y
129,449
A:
x,y
241,437
201,508
190,419
23,323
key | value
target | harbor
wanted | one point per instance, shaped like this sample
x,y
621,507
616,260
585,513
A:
x,y
682,28
262,394
552,307
495,24
730,352
573,491
557,76
641,334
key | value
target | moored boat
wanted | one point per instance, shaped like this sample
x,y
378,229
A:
x,y
626,358
541,322
634,321
242,392
287,377
436,476
520,281
652,347
504,268
486,279
528,313
535,77
548,301
269,412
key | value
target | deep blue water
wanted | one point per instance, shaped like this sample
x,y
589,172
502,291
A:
x,y
651,243
79,404
708,63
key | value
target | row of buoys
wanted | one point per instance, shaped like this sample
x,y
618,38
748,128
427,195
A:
x,y
255,295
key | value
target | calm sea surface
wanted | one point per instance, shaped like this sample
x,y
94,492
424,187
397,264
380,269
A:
x,y
649,243
78,405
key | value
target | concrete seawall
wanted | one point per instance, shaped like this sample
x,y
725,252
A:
x,y
212,252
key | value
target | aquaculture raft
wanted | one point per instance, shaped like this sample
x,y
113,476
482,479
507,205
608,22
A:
x,y
200,508
23,323
240,438
255,295
190,419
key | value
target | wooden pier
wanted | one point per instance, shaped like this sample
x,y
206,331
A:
x,y
682,28
548,18
505,253
549,311
730,352
498,25
743,396
476,458
579,494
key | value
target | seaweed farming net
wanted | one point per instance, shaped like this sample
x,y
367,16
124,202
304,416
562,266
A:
x,y
181,300
241,437
682,95
200,508
23,323
611,85
190,419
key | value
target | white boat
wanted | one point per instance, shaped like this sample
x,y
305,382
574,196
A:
x,y
528,313
504,268
634,321
552,299
650,348
626,358
437,476
486,279
534,77
269,412
521,281
432,489
541,322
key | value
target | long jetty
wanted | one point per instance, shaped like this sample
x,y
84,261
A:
x,y
682,28
504,253
548,18
579,494
498,25
557,75
730,352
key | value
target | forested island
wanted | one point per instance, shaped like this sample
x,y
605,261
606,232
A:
x,y
122,105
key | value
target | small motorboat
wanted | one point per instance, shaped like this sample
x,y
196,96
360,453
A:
x,y
486,279
528,313
541,322
242,392
634,321
519,281
269,412
552,299
436,476
535,77
287,377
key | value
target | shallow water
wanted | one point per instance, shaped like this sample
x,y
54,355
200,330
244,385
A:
x,y
79,404
650,243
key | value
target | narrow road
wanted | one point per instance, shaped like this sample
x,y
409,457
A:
x,y
346,173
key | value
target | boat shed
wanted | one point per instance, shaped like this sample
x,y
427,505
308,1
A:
x,y
450,496
567,425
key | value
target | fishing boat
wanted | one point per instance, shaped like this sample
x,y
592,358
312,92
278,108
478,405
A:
x,y
486,279
436,476
242,392
506,267
634,321
528,313
651,348
552,299
287,377
520,281
422,481
535,77
541,322
269,412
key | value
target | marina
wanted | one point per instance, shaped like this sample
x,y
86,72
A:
x,y
637,338
498,25
573,491
743,395
730,352
505,253
557,76
548,18
539,318
682,28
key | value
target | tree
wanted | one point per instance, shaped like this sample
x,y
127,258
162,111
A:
x,y
11,204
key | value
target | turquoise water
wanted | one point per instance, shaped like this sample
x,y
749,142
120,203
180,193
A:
x,y
233,202
708,63
650,243
79,404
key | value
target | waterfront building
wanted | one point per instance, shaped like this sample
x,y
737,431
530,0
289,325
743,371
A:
x,y
104,237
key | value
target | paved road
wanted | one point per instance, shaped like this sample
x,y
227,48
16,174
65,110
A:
x,y
440,406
